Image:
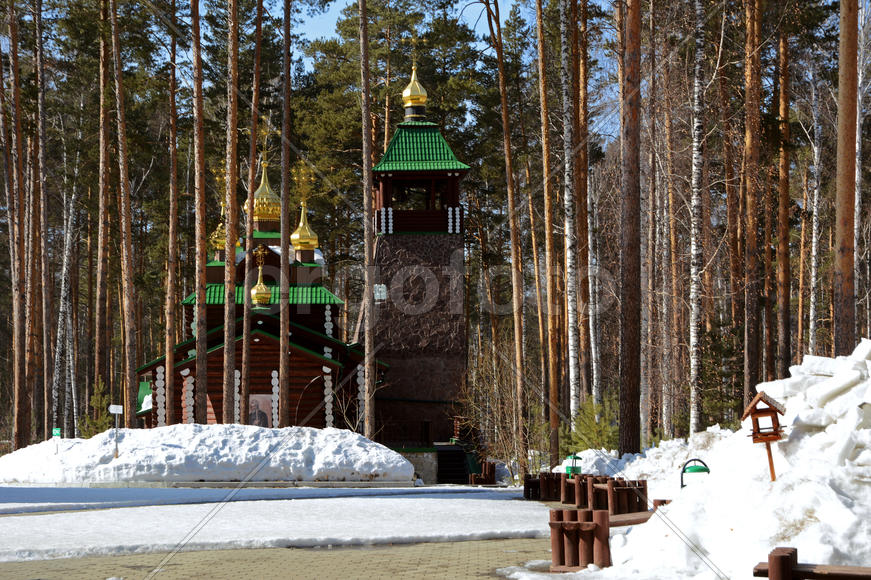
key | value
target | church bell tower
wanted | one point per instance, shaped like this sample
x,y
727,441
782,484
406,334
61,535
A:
x,y
419,293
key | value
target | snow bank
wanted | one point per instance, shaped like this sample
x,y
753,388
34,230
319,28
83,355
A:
x,y
722,524
207,453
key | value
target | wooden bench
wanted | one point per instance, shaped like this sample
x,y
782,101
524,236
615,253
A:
x,y
783,565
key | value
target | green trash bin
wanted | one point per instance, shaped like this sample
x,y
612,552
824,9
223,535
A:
x,y
573,468
694,465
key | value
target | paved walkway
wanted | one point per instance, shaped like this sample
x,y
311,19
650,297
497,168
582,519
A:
x,y
478,559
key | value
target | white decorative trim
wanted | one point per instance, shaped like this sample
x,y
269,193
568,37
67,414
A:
x,y
328,397
328,352
389,220
160,388
189,397
238,382
450,220
328,320
361,394
275,398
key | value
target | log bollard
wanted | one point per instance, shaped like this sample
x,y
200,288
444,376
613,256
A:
x,y
585,555
642,500
601,540
612,498
557,554
563,488
579,538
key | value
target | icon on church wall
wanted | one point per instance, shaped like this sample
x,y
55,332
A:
x,y
259,407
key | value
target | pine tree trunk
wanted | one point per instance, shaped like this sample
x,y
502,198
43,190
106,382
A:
x,y
862,84
46,281
494,23
843,283
630,258
368,233
581,180
751,170
284,284
245,386
130,329
571,252
549,249
202,369
696,225
768,275
21,406
799,349
232,178
784,347
648,334
172,241
101,343
673,366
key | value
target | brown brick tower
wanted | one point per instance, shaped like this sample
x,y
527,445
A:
x,y
419,292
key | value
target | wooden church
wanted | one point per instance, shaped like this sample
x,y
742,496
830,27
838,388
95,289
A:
x,y
419,324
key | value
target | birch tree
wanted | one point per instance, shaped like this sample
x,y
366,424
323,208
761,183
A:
x,y
696,222
571,252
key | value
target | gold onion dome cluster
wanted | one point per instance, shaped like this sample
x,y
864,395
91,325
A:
x,y
304,238
267,205
414,94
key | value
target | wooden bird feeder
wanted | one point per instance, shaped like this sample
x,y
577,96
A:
x,y
763,411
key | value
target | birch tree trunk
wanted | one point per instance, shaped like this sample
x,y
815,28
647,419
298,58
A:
x,y
232,168
571,252
844,297
816,147
696,224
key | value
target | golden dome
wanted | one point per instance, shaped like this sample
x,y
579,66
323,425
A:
x,y
260,293
267,205
304,238
218,238
414,94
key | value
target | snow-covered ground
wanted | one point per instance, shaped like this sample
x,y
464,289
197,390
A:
x,y
719,526
185,453
312,518
722,524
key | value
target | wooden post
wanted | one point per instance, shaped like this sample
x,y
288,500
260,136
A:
x,y
579,492
570,537
557,556
563,488
601,541
770,460
591,492
612,499
642,501
781,562
585,555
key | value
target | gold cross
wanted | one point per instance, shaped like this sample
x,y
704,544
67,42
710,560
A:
x,y
265,129
260,254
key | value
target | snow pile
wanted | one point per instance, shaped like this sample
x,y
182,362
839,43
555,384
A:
x,y
207,453
726,522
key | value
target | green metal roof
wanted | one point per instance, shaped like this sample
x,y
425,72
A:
x,y
258,235
314,294
418,146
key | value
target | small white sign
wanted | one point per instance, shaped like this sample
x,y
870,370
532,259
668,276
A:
x,y
116,409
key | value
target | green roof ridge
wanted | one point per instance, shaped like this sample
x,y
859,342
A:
x,y
299,294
